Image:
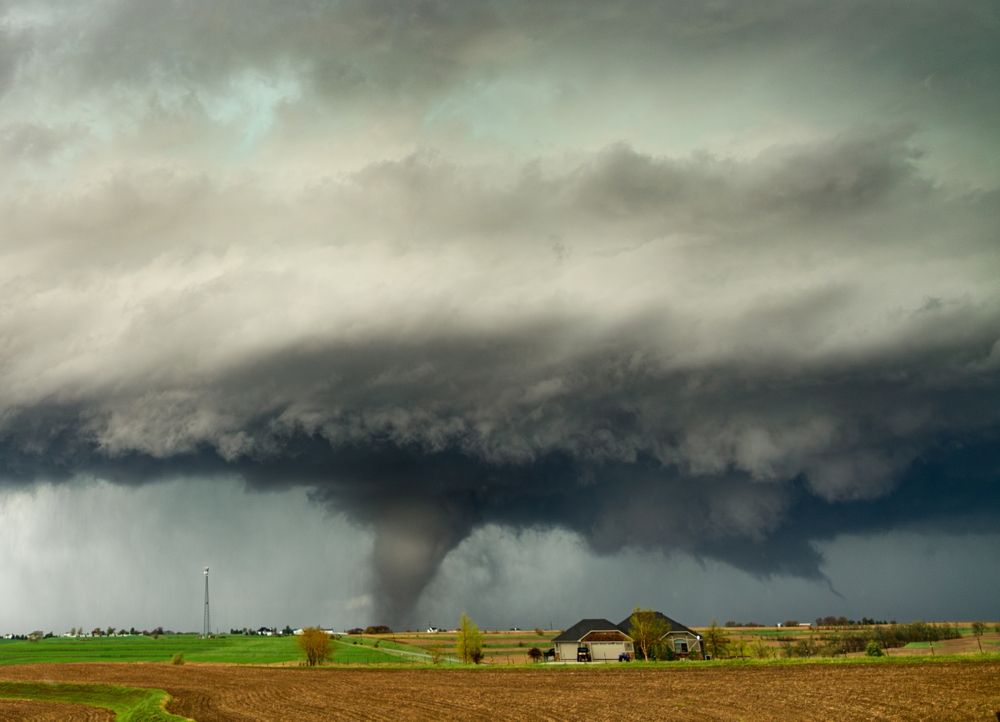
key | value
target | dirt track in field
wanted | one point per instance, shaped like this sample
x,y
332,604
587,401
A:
x,y
13,710
948,691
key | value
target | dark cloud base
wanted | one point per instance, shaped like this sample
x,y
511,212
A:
x,y
422,503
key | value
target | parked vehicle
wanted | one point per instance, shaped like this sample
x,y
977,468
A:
x,y
583,653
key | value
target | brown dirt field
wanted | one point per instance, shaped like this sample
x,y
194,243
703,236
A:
x,y
13,710
943,691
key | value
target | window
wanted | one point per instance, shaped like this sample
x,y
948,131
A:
x,y
680,646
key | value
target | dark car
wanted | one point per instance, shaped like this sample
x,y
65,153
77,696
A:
x,y
583,654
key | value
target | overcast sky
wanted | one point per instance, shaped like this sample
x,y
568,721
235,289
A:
x,y
390,310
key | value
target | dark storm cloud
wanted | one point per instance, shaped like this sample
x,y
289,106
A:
x,y
625,454
734,351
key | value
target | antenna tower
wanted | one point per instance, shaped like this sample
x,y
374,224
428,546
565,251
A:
x,y
207,626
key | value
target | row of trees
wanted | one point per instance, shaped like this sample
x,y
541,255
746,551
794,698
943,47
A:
x,y
371,629
110,631
874,641
832,621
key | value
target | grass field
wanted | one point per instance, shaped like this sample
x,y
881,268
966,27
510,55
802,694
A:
x,y
234,649
129,704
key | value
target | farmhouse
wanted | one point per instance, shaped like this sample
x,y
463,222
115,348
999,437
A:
x,y
683,641
603,641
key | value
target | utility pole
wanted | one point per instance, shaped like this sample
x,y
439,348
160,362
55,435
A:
x,y
207,622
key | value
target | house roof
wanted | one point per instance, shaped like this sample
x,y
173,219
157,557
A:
x,y
675,626
578,630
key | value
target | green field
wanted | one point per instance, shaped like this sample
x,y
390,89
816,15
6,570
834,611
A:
x,y
235,649
128,703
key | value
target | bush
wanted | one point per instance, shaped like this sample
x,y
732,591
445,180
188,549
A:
x,y
316,645
541,632
535,654
759,649
469,645
177,659
872,649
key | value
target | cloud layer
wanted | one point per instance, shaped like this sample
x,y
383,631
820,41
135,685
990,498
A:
x,y
295,244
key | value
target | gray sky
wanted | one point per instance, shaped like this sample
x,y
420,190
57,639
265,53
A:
x,y
443,306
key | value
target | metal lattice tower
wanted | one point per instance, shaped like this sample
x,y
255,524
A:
x,y
207,626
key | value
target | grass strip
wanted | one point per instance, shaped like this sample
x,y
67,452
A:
x,y
130,704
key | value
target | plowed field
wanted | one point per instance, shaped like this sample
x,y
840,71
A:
x,y
14,710
942,691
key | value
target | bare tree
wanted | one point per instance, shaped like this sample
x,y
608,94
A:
x,y
978,629
716,640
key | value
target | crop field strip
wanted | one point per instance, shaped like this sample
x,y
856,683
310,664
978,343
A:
x,y
879,690
18,710
224,650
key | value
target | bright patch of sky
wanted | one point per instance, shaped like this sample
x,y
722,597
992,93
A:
x,y
249,103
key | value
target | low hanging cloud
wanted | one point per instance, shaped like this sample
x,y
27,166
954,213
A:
x,y
306,256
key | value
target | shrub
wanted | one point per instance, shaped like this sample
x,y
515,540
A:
x,y
469,645
872,649
177,659
541,632
316,645
759,649
535,654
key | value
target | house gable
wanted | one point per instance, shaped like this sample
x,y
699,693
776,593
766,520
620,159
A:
x,y
584,626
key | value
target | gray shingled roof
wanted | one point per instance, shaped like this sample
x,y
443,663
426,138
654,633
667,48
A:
x,y
675,626
579,629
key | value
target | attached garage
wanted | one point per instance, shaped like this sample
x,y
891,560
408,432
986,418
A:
x,y
603,641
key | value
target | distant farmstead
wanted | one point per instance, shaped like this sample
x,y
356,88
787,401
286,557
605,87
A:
x,y
599,640
602,640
